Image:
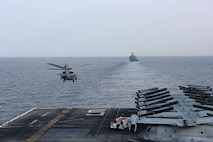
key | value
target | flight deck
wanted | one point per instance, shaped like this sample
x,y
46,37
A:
x,y
159,116
67,124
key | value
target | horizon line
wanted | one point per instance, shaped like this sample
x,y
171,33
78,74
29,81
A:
x,y
105,56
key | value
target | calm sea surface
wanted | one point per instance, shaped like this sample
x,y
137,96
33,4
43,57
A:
x,y
102,82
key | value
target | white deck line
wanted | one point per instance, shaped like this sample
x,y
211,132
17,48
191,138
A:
x,y
7,122
45,114
33,122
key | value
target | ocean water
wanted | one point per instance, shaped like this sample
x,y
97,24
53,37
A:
x,y
102,81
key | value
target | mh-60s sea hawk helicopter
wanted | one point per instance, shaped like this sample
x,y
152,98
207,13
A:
x,y
67,74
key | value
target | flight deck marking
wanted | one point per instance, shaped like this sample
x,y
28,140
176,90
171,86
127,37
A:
x,y
47,126
45,114
33,122
17,117
99,128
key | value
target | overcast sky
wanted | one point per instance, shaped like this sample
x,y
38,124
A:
x,y
106,27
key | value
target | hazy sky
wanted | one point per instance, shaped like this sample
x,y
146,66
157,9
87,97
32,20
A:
x,y
106,27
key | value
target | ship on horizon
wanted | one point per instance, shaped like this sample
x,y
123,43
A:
x,y
133,58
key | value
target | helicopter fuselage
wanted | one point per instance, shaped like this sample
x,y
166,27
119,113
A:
x,y
68,76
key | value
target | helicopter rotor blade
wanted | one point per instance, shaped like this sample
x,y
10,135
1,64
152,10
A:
x,y
55,65
54,69
61,67
68,68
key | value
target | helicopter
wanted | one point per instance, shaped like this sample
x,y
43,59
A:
x,y
67,74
